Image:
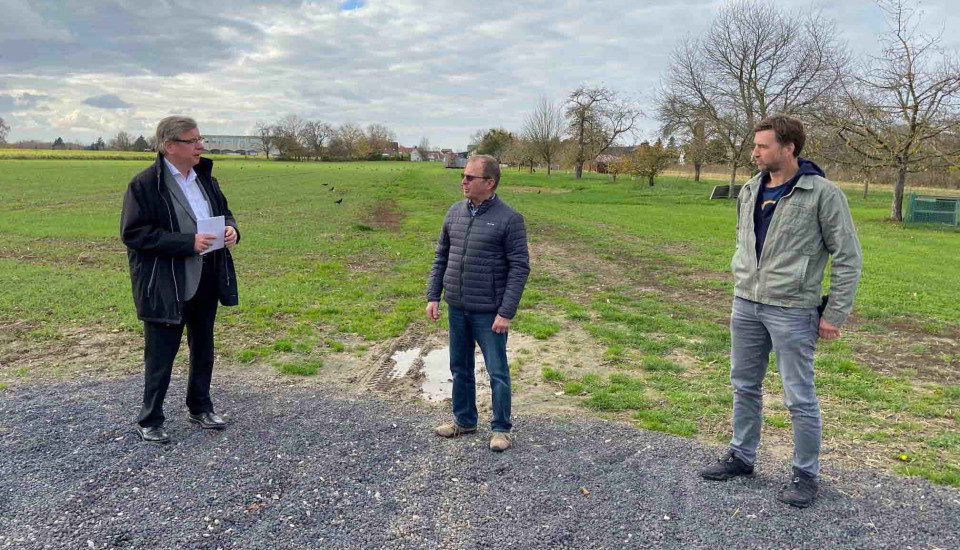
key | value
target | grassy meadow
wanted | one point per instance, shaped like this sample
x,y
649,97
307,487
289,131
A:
x,y
643,271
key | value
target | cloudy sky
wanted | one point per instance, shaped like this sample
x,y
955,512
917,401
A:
x,y
86,68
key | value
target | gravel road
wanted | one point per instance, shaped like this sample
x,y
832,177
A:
x,y
308,467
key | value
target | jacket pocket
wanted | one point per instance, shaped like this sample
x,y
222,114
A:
x,y
152,281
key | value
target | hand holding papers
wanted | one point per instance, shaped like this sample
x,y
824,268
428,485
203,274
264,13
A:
x,y
212,226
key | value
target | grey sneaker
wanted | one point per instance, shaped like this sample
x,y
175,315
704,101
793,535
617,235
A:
x,y
500,442
801,490
453,430
727,467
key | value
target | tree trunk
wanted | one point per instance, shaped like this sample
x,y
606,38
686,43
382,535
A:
x,y
866,185
733,180
650,179
696,172
531,166
896,209
578,172
614,178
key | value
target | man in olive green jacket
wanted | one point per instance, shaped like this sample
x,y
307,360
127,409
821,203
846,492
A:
x,y
791,220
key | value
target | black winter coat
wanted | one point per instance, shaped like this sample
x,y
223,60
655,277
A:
x,y
156,248
482,263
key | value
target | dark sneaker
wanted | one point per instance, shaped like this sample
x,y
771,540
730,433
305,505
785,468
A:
x,y
727,467
801,490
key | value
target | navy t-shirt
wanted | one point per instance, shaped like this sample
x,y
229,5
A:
x,y
769,197
767,201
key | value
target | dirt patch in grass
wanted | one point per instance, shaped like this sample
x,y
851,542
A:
x,y
31,353
386,215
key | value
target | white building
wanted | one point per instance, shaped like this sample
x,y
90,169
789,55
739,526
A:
x,y
234,145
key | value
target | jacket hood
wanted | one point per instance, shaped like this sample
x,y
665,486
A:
x,y
809,168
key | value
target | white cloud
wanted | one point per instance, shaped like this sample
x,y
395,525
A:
x,y
435,69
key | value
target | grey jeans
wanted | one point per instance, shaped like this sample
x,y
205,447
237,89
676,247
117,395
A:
x,y
792,333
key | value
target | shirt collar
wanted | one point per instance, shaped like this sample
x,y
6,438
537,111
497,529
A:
x,y
477,206
191,176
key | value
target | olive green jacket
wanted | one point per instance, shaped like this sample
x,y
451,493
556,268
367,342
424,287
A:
x,y
810,224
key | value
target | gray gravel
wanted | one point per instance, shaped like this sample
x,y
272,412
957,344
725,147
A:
x,y
306,467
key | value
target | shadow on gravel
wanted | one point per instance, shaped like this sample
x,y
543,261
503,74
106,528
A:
x,y
315,468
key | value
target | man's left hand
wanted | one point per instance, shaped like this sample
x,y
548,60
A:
x,y
828,331
229,235
501,325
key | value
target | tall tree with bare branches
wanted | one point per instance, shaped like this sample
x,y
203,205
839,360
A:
x,y
596,118
752,62
542,131
265,133
901,109
315,135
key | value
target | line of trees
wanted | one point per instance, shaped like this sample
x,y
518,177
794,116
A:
x,y
899,110
293,137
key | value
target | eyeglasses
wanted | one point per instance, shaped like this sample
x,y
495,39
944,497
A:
x,y
193,141
471,179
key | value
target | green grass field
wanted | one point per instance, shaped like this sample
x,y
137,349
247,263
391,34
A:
x,y
642,270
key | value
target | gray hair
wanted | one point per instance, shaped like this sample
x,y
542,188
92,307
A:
x,y
171,128
489,166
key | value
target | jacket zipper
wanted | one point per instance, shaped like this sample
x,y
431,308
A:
x,y
176,290
466,241
153,272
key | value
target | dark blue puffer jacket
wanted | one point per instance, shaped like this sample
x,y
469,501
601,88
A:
x,y
482,262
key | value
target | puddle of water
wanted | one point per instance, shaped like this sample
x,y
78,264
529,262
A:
x,y
403,360
437,383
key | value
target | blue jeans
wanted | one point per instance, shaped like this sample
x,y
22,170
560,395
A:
x,y
792,333
467,328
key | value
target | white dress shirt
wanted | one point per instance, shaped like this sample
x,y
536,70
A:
x,y
191,189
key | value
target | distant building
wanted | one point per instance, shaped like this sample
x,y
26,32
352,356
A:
x,y
416,155
235,145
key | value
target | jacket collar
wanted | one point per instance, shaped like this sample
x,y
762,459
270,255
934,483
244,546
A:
x,y
204,168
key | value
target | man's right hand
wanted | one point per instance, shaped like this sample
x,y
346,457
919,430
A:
x,y
202,241
433,311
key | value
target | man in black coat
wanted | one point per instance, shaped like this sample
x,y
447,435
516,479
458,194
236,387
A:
x,y
481,266
176,281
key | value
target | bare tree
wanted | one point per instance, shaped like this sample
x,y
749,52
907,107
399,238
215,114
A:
x,y
4,131
121,142
379,138
265,133
352,141
596,118
424,145
752,62
315,135
288,133
542,132
901,110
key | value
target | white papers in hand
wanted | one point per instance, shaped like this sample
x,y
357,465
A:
x,y
212,226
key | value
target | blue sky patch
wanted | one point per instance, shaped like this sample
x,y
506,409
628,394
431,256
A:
x,y
350,5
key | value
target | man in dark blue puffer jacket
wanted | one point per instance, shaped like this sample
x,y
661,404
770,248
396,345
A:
x,y
480,267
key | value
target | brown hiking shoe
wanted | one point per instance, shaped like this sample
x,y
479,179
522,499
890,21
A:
x,y
453,430
500,442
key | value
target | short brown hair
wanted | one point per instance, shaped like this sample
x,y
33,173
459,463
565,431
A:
x,y
171,128
490,167
787,130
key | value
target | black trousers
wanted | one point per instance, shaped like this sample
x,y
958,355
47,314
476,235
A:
x,y
163,342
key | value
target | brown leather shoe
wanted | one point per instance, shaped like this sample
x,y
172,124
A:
x,y
454,430
500,442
